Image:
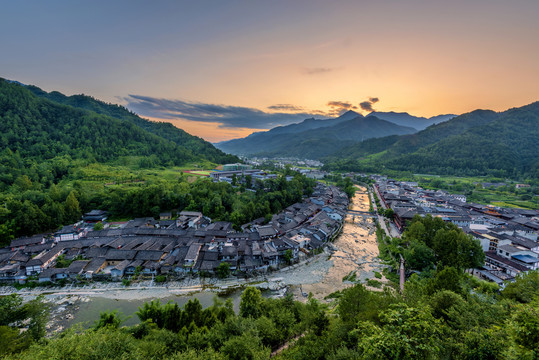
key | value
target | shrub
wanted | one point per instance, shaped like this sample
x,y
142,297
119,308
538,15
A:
x,y
374,283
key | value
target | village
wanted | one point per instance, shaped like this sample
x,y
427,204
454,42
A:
x,y
174,248
192,243
508,236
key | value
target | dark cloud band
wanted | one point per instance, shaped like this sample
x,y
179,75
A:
x,y
226,116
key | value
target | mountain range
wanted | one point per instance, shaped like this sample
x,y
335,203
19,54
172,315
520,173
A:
x,y
42,131
482,142
314,138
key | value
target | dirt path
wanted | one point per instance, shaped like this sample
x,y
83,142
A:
x,y
286,345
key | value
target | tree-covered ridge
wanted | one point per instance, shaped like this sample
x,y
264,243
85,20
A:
x,y
478,143
316,143
196,145
395,146
40,129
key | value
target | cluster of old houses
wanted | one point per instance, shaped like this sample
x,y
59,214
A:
x,y
189,244
509,236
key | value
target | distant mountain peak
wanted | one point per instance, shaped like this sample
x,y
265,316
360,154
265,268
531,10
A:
x,y
349,115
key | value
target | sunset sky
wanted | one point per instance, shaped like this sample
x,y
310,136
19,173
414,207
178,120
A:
x,y
222,69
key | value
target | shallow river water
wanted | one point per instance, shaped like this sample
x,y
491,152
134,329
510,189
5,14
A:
x,y
357,251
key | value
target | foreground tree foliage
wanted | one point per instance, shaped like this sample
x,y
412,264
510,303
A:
x,y
426,322
21,324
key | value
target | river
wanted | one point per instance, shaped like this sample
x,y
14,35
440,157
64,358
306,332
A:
x,y
356,250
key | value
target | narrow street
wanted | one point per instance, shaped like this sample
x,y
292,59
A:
x,y
392,231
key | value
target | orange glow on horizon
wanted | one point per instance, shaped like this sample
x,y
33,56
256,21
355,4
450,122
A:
x,y
209,131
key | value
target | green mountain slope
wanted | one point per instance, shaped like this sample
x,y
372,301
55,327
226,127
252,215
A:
x,y
41,138
316,143
478,143
396,146
165,130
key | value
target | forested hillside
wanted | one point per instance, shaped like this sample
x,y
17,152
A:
x,y
478,143
268,140
165,130
40,130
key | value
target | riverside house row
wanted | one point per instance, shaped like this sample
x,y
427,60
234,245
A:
x,y
189,244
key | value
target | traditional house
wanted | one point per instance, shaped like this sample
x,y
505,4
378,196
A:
x,y
42,261
95,216
69,232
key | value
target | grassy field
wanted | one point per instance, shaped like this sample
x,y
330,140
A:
x,y
98,176
199,172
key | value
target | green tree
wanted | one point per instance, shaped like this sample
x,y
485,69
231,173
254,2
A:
x,y
455,248
524,330
245,347
11,340
223,270
524,289
152,311
447,278
109,319
23,183
248,181
389,213
288,256
72,209
419,256
406,333
251,303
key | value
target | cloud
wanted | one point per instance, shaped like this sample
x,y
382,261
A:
x,y
226,116
367,105
285,107
317,70
339,107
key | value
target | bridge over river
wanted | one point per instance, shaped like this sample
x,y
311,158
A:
x,y
364,214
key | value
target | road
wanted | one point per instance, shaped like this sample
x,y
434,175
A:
x,y
392,231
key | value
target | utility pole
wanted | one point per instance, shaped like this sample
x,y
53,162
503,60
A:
x,y
402,277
